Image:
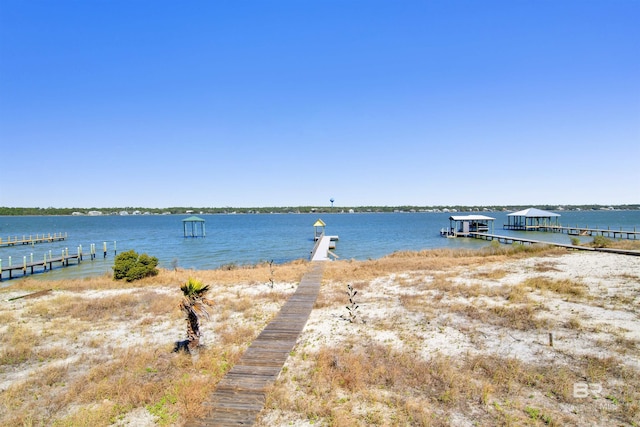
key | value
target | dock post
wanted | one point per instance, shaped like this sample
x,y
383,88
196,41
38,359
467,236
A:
x,y
79,254
114,248
104,248
24,265
9,264
0,268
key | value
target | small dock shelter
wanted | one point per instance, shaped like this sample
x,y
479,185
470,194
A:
x,y
462,225
531,219
191,225
318,229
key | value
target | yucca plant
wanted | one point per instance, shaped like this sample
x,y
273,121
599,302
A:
x,y
195,305
353,306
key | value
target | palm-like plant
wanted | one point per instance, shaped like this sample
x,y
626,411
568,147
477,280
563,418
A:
x,y
195,305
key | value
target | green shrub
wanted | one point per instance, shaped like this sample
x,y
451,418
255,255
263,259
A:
x,y
131,266
601,242
575,241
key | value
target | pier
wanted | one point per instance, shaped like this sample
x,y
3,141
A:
x,y
322,248
44,238
29,265
582,231
242,392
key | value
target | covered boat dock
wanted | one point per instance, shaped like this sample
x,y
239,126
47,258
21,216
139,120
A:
x,y
531,219
462,225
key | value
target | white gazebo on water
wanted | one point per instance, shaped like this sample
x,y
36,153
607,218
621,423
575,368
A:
x,y
190,227
531,219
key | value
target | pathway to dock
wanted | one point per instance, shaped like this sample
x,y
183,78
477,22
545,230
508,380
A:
x,y
241,394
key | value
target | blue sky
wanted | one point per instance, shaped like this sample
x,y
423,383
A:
x,y
289,103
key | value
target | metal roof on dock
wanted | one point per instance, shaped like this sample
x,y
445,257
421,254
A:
x,y
534,213
471,218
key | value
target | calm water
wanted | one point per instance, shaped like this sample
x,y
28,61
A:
x,y
251,238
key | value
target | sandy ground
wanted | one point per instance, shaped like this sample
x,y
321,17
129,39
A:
x,y
608,319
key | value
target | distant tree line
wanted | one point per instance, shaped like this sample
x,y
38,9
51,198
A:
x,y
184,210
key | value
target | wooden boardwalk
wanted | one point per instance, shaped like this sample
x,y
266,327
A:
x,y
241,394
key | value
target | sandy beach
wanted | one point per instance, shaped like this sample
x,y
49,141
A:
x,y
549,338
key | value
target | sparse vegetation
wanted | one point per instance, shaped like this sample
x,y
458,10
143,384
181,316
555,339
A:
x,y
451,338
352,307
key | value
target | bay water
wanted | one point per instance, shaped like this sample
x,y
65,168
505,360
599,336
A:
x,y
238,239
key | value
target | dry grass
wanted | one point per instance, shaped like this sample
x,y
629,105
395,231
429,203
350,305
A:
x,y
564,287
461,343
95,351
402,388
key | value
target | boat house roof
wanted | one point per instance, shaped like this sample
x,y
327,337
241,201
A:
x,y
471,218
534,213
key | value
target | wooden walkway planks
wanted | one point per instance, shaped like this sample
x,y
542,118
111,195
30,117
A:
x,y
241,394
